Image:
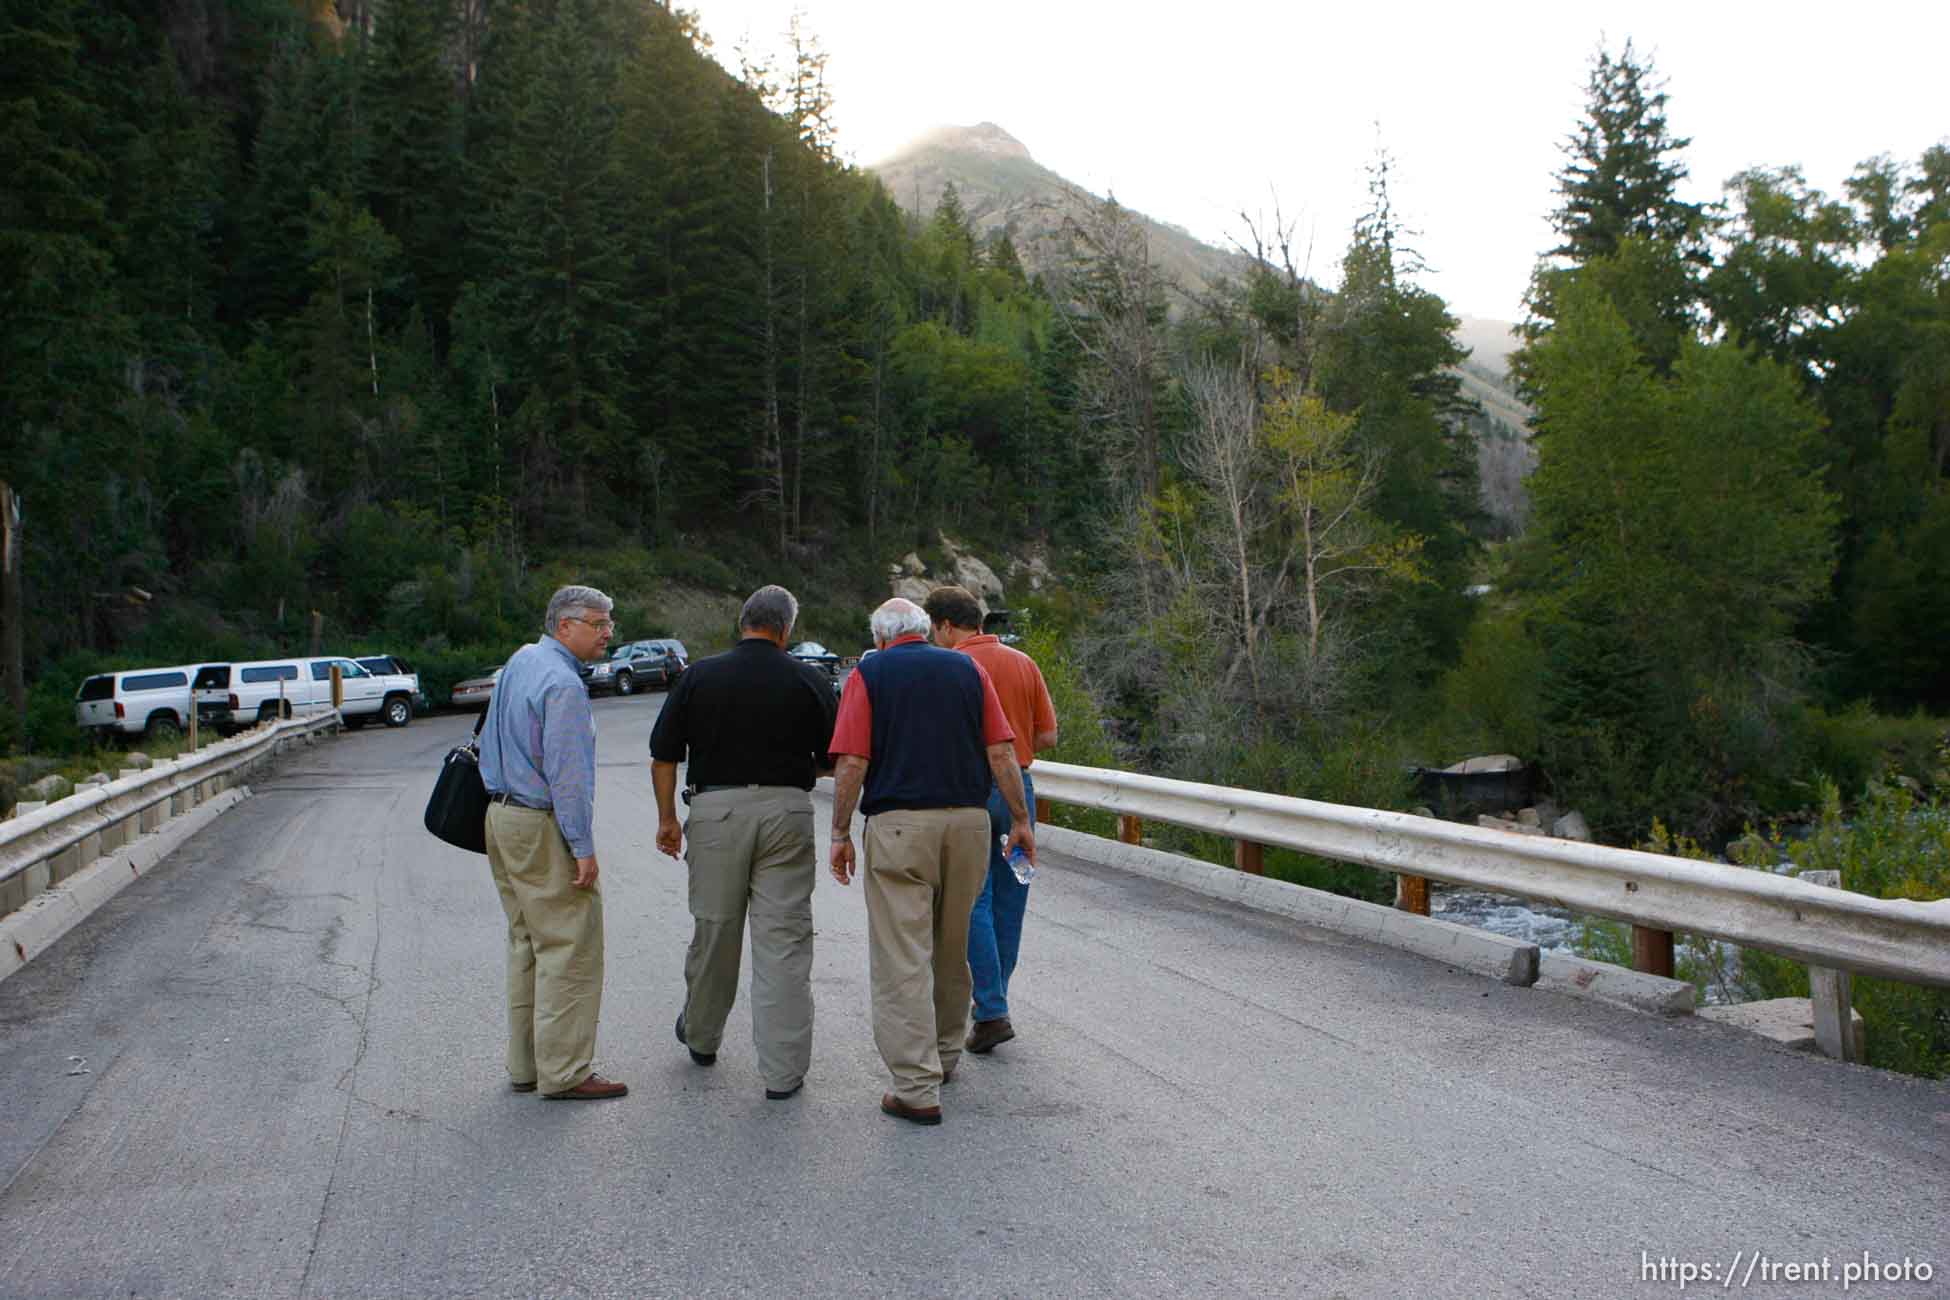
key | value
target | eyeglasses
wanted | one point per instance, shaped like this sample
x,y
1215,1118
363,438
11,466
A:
x,y
606,625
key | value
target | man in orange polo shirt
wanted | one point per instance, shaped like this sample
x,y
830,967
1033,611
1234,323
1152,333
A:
x,y
995,923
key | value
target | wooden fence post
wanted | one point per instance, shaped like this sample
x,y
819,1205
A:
x,y
1652,951
1412,894
1830,994
1130,829
1249,857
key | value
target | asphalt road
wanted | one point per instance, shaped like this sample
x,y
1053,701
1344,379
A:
x,y
289,1084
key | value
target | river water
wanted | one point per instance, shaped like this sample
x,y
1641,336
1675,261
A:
x,y
1552,929
1555,930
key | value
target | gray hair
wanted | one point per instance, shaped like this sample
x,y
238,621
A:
x,y
574,602
769,609
898,618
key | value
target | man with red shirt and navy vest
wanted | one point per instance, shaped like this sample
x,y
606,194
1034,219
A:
x,y
920,738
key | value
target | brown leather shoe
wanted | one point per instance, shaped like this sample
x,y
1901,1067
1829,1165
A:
x,y
899,1109
987,1035
594,1088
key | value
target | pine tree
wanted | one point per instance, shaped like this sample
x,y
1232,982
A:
x,y
1622,174
63,436
557,263
1620,222
415,180
310,139
1386,356
689,288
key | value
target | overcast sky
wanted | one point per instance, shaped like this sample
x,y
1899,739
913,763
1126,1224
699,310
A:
x,y
1192,113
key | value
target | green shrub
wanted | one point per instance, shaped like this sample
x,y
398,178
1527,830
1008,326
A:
x,y
1854,745
1362,765
698,566
1895,846
1490,700
1357,764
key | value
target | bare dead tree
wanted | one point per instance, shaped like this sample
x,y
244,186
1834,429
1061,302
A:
x,y
1222,453
1114,300
1275,254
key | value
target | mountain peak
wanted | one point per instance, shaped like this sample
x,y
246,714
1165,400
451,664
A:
x,y
985,138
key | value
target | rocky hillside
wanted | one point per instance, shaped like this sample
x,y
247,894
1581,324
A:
x,y
1504,453
1002,188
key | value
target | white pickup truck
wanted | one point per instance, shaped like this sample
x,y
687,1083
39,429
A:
x,y
233,696
140,701
399,686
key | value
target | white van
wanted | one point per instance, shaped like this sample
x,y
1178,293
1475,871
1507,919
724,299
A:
x,y
140,701
233,696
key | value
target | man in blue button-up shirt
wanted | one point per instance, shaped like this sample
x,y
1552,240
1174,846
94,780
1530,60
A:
x,y
538,761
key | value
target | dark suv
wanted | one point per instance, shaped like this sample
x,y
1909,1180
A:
x,y
634,666
680,657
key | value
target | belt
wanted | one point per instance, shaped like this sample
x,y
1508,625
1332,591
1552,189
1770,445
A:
x,y
518,802
691,791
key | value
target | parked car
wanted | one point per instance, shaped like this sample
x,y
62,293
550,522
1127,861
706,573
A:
x,y
631,667
141,701
836,668
401,687
474,692
813,653
234,696
680,657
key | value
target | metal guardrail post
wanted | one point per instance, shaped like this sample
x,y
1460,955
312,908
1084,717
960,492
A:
x,y
1249,857
1130,830
1652,951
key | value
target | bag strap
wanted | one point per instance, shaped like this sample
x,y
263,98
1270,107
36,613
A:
x,y
473,743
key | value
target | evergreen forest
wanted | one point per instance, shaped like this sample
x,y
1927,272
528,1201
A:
x,y
405,311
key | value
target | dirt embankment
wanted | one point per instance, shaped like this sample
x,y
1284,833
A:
x,y
705,621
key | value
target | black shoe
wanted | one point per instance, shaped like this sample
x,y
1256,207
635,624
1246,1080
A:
x,y
777,1094
697,1057
522,1087
988,1034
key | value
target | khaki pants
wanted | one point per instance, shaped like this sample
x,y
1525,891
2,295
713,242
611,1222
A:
x,y
555,949
924,870
750,852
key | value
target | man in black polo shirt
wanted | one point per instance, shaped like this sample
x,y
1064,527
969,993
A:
x,y
756,724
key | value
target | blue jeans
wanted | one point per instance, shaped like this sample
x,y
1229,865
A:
x,y
995,926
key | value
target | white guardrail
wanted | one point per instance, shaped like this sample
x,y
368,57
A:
x,y
1833,928
42,848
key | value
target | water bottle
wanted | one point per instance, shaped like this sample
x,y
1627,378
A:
x,y
1018,861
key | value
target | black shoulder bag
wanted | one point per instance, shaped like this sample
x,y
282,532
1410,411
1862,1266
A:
x,y
457,812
